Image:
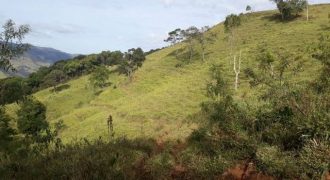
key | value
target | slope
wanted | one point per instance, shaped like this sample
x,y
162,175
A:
x,y
165,93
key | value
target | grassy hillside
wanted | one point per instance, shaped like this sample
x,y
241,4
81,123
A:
x,y
165,93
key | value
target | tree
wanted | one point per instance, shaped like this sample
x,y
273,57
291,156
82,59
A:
x,y
203,39
190,34
322,53
6,132
290,8
133,59
218,87
231,23
54,78
175,37
35,79
307,10
103,58
73,68
116,57
237,70
221,121
99,77
11,45
110,58
13,89
273,71
31,119
248,8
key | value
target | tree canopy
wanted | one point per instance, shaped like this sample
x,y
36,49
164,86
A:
x,y
175,36
32,118
232,21
290,8
133,59
6,132
99,77
11,45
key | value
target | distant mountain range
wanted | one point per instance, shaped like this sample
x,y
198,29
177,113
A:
x,y
34,58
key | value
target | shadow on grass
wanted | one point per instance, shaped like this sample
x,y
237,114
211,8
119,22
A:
x,y
278,18
177,52
98,92
324,27
183,57
60,88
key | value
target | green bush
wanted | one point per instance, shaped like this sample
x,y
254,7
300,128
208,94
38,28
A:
x,y
6,132
314,159
200,166
274,162
160,165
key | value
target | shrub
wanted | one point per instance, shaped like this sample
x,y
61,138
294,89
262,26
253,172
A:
x,y
314,159
273,161
99,77
80,160
290,8
6,132
32,120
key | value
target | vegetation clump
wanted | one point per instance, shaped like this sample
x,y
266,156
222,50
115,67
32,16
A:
x,y
290,8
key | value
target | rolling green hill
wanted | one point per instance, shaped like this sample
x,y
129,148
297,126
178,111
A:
x,y
165,93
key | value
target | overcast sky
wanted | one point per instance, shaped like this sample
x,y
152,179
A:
x,y
91,26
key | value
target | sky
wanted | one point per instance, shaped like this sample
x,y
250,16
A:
x,y
92,26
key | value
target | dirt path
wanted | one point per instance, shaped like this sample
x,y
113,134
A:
x,y
177,172
244,171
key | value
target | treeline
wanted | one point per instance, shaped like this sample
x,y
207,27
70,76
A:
x,y
14,89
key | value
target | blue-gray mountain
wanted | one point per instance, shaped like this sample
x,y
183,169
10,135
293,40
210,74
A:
x,y
34,58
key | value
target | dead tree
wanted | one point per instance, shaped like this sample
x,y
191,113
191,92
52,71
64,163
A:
x,y
237,70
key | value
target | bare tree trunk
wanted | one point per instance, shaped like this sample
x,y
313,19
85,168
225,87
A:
x,y
129,74
176,51
237,70
307,12
191,52
203,54
272,70
231,44
203,43
231,47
